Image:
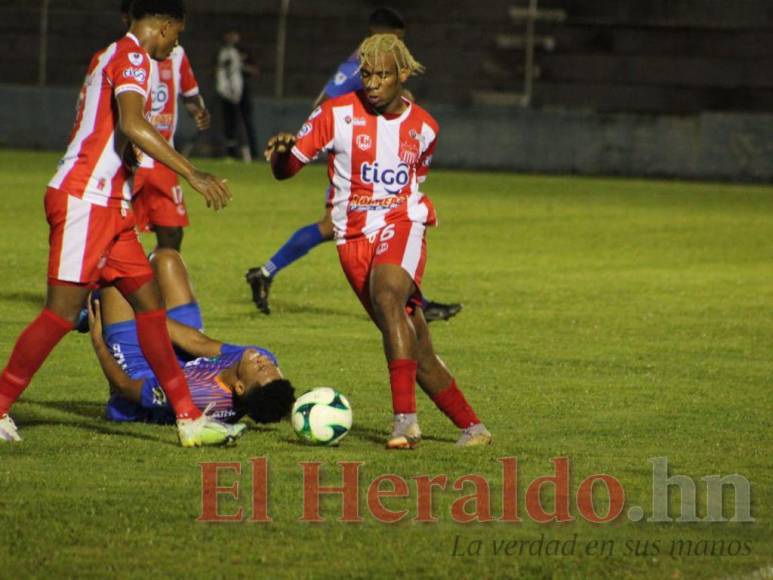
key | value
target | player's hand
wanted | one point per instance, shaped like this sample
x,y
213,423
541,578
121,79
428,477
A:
x,y
95,319
214,190
280,143
202,118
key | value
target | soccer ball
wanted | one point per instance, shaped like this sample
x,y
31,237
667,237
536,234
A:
x,y
322,416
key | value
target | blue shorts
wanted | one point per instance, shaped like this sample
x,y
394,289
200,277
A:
x,y
121,339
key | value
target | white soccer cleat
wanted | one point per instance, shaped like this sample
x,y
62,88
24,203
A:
x,y
405,433
207,431
474,435
8,430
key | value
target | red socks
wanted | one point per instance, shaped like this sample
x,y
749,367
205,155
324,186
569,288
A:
x,y
402,379
157,348
32,348
452,403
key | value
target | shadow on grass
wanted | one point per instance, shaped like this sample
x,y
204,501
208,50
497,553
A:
x,y
33,298
380,436
94,412
101,428
299,308
87,409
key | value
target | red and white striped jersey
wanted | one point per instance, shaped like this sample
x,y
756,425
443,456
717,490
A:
x,y
375,163
169,79
92,167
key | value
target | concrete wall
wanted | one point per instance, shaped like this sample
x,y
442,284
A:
x,y
725,146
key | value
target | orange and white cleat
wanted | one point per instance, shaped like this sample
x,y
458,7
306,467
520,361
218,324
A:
x,y
405,433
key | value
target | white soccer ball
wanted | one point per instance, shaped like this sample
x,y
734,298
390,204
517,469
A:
x,y
322,416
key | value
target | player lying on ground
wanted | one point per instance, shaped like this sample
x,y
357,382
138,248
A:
x,y
158,202
345,80
380,217
92,240
234,380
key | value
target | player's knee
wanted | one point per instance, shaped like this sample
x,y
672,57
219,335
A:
x,y
165,259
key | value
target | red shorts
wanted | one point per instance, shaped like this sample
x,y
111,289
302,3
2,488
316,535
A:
x,y
158,198
89,243
401,243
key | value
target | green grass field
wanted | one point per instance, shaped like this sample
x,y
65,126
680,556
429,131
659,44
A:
x,y
608,321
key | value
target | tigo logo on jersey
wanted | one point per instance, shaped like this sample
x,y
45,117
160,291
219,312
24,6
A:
x,y
136,73
160,95
363,142
387,177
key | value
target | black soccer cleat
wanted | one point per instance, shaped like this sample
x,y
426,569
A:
x,y
438,311
260,284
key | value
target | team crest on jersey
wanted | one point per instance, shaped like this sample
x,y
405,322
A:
x,y
363,142
166,75
136,58
409,153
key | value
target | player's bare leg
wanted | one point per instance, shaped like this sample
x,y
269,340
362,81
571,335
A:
x,y
437,381
172,277
170,237
35,343
390,288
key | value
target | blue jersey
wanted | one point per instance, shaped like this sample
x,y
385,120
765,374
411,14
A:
x,y
200,373
346,79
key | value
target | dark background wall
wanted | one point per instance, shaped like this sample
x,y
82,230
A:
x,y
632,87
664,56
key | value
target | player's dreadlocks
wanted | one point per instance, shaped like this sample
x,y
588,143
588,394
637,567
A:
x,y
373,47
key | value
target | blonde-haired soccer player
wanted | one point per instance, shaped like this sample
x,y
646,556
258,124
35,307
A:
x,y
345,80
379,147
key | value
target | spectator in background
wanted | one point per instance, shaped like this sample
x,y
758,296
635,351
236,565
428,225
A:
x,y
232,74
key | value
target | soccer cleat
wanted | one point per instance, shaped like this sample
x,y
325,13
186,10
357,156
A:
x,y
439,311
474,435
207,431
260,284
405,433
82,324
8,430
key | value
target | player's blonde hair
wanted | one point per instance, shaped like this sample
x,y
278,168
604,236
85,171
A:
x,y
374,47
